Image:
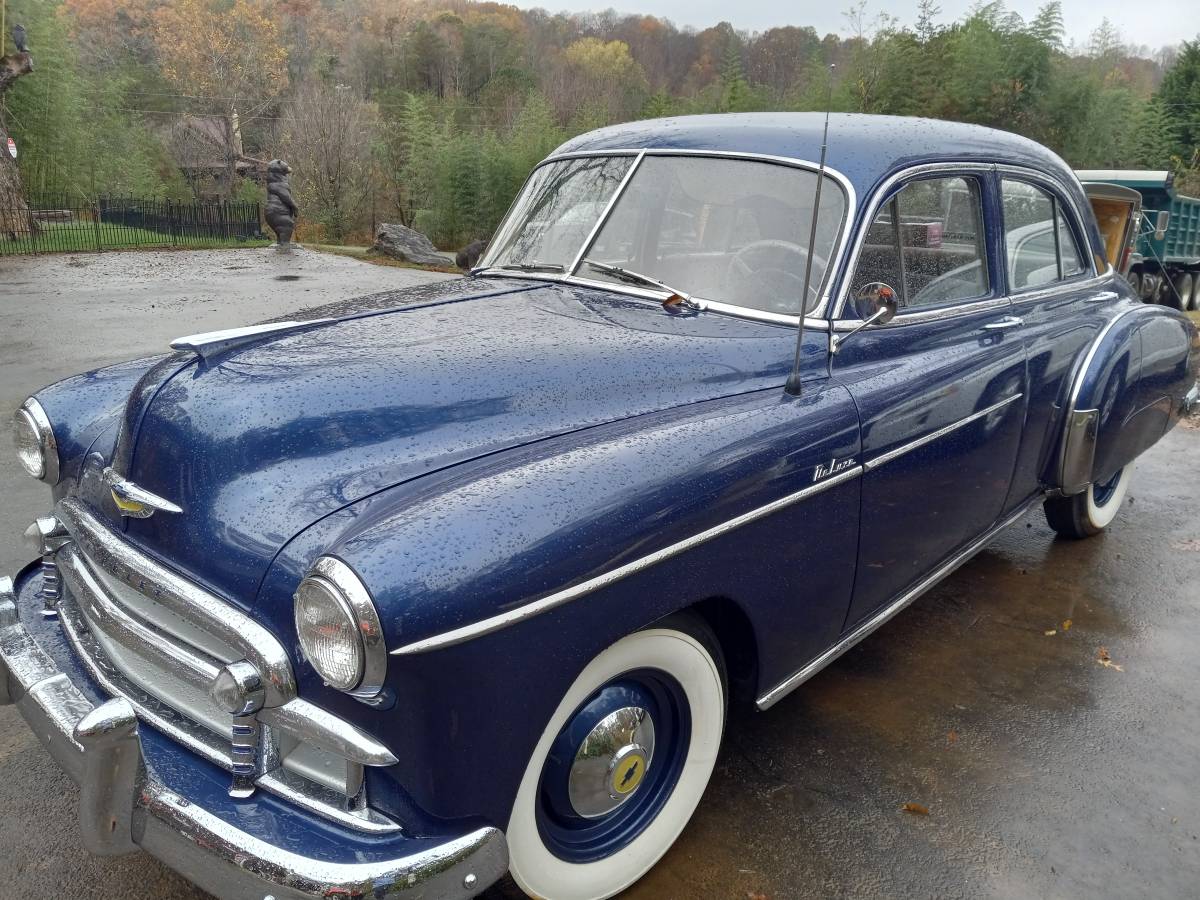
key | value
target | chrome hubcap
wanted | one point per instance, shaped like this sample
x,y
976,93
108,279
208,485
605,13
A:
x,y
612,761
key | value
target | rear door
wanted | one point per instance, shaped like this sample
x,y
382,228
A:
x,y
1055,292
941,389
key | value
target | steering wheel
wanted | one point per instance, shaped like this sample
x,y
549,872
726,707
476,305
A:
x,y
763,275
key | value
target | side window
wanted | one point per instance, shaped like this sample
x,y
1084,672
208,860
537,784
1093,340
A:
x,y
1040,245
927,243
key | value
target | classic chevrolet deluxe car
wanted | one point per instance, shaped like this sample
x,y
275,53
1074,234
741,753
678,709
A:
x,y
440,584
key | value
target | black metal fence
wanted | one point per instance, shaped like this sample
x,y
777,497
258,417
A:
x,y
53,225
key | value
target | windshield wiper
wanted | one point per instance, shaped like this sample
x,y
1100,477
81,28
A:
x,y
627,275
523,267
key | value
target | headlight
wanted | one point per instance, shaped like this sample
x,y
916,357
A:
x,y
36,447
339,629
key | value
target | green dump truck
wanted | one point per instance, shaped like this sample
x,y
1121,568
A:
x,y
1165,263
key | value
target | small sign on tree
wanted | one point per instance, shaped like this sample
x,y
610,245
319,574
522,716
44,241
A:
x,y
12,148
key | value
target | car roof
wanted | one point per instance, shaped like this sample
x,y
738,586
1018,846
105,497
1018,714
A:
x,y
864,148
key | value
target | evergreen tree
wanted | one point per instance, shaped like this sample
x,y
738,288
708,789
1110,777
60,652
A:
x,y
1047,25
1179,102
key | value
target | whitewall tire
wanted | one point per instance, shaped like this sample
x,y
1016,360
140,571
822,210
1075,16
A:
x,y
1091,511
564,841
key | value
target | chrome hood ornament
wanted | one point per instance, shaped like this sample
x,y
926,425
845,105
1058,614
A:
x,y
134,502
211,343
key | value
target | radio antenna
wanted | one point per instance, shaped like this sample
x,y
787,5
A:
x,y
793,382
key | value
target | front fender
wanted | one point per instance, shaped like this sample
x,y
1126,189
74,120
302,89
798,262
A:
x,y
490,536
1129,387
85,407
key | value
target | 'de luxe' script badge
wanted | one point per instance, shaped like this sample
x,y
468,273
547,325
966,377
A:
x,y
835,465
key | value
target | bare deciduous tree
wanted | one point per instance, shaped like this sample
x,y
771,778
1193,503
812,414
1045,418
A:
x,y
327,135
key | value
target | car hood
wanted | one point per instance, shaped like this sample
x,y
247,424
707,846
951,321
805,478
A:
x,y
260,442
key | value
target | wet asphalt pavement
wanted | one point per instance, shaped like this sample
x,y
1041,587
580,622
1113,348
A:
x,y
1035,770
60,315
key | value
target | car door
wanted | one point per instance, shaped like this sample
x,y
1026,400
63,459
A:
x,y
1055,292
941,388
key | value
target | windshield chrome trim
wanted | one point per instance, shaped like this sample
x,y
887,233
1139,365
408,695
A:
x,y
604,214
552,601
815,317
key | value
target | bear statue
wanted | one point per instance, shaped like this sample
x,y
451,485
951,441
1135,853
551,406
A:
x,y
281,209
468,256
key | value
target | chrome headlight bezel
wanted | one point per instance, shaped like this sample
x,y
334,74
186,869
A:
x,y
32,419
336,579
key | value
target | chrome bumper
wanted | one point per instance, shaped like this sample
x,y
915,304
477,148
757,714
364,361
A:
x,y
123,807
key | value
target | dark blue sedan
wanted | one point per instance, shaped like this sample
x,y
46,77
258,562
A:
x,y
440,584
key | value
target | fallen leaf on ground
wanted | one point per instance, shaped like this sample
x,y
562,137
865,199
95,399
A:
x,y
1105,660
952,737
1051,633
1067,623
1192,544
755,895
916,809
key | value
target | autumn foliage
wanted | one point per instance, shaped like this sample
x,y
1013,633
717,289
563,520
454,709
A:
x,y
431,112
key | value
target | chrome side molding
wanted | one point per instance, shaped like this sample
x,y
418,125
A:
x,y
211,343
537,607
877,461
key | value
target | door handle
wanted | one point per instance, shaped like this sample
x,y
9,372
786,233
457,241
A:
x,y
1006,322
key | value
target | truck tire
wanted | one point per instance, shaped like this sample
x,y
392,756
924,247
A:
x,y
1195,302
1178,294
1135,283
1150,285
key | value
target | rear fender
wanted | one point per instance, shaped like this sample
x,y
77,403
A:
x,y
1129,387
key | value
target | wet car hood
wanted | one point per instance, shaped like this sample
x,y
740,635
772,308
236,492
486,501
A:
x,y
260,442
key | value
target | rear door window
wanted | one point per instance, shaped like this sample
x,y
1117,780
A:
x,y
1040,244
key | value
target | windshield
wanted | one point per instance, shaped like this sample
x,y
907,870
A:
x,y
556,212
725,230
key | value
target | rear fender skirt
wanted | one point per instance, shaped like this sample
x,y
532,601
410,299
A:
x,y
1122,395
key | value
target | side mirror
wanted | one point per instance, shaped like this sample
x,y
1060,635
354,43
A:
x,y
876,303
1160,225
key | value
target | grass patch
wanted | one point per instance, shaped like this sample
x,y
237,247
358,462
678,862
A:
x,y
82,237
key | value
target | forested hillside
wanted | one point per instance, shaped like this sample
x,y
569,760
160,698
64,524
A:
x,y
432,113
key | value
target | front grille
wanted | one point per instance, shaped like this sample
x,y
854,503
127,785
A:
x,y
158,640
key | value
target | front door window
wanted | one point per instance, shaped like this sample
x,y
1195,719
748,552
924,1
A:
x,y
928,243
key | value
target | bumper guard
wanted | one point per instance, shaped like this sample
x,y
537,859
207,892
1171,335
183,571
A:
x,y
122,807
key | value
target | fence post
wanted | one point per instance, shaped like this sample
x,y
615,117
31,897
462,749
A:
x,y
96,224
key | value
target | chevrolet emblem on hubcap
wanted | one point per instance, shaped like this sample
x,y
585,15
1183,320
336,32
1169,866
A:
x,y
628,768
